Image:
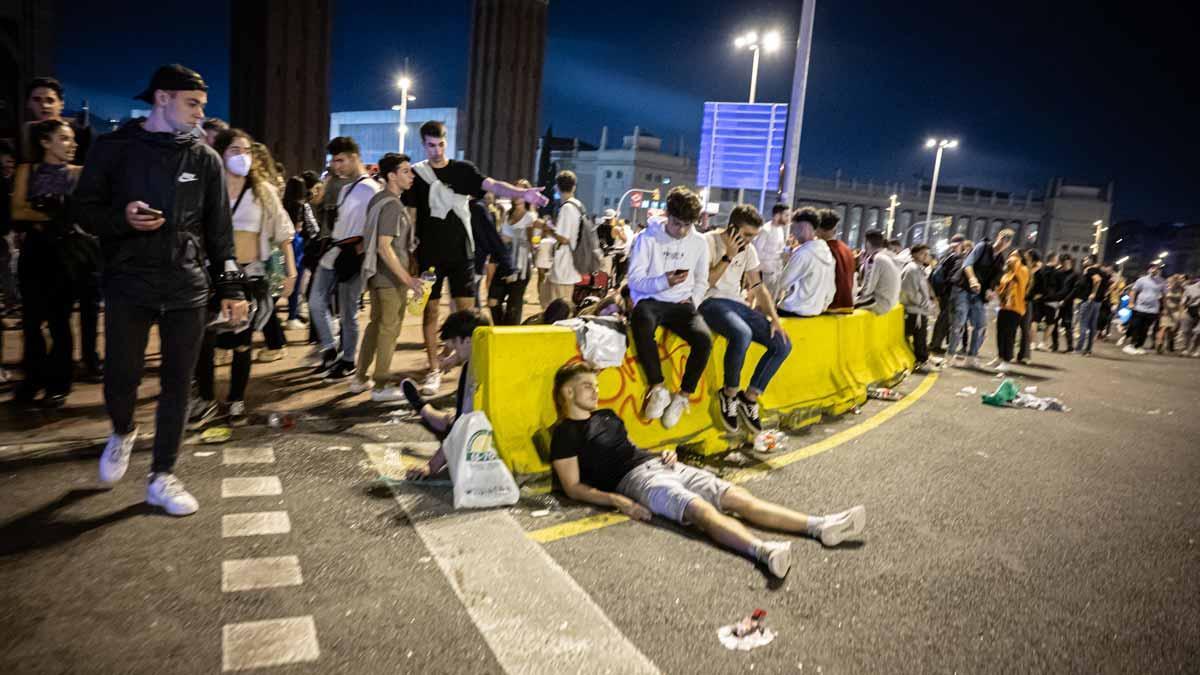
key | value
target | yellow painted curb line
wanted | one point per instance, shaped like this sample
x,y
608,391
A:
x,y
582,525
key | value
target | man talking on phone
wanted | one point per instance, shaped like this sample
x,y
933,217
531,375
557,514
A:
x,y
668,278
154,194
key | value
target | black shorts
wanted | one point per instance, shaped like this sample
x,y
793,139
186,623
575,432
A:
x,y
460,273
1044,313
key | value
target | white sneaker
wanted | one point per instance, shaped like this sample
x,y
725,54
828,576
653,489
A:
x,y
1041,347
1141,352
778,557
271,355
679,405
973,362
296,324
387,395
1130,350
841,526
167,491
432,383
358,386
114,461
656,402
1003,367
993,363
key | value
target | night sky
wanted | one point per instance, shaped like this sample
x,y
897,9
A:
x,y
1088,91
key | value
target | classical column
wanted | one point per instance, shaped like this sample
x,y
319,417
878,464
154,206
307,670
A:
x,y
504,85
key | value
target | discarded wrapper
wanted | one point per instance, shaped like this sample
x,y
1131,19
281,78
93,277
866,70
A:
x,y
746,634
216,435
770,440
884,394
967,391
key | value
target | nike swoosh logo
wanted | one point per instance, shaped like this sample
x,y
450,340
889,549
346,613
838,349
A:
x,y
187,178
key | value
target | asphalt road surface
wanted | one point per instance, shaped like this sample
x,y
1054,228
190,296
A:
x,y
998,540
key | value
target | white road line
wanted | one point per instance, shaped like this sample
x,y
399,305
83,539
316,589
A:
x,y
256,486
248,456
275,642
255,524
495,570
249,574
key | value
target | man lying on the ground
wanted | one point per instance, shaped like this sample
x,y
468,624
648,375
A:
x,y
455,333
595,462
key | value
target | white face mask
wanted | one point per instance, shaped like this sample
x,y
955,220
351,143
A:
x,y
239,165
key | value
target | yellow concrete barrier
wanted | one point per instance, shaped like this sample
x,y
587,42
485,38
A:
x,y
833,360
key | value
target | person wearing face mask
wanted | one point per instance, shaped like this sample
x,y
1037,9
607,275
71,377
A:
x,y
41,210
260,225
153,193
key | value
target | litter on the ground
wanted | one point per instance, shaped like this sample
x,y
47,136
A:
x,y
747,634
281,421
1031,389
770,440
1008,396
967,391
1156,411
1042,403
204,454
884,394
1004,394
540,513
216,435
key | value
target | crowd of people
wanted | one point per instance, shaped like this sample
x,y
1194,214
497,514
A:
x,y
182,221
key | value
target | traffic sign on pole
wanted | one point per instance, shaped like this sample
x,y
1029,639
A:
x,y
635,200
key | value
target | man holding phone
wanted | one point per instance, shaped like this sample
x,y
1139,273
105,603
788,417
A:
x,y
668,278
154,194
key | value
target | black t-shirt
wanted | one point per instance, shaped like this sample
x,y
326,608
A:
x,y
1085,284
1067,280
443,239
604,450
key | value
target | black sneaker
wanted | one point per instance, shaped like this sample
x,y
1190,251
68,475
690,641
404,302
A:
x,y
340,371
52,401
202,413
729,410
748,411
328,360
413,394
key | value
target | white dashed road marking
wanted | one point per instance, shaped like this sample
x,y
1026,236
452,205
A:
x,y
256,644
255,524
257,486
250,574
495,570
248,456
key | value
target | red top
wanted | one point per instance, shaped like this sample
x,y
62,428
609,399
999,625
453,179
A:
x,y
843,275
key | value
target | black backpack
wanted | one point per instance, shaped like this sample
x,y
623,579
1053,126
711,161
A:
x,y
942,278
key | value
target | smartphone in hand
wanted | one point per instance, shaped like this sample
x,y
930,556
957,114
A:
x,y
147,211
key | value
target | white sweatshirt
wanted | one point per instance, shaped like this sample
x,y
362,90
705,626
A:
x,y
880,291
807,285
654,253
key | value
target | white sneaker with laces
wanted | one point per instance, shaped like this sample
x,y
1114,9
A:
x,y
1130,350
114,461
166,491
432,383
271,355
358,386
387,395
296,324
656,402
778,557
675,409
1003,367
841,526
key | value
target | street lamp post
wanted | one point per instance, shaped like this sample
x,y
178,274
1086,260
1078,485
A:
x,y
891,221
404,83
941,144
752,41
1100,229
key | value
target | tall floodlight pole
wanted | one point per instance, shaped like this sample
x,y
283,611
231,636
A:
x,y
405,83
796,103
940,144
756,44
891,221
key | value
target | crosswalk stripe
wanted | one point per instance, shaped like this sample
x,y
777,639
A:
x,y
252,486
275,642
250,574
248,456
255,524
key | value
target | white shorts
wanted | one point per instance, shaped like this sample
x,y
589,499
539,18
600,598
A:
x,y
667,490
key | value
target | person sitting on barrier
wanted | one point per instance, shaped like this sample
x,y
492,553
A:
x,y
668,277
880,291
455,333
734,259
595,462
807,286
845,266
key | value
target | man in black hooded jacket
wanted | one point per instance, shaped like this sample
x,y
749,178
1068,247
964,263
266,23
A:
x,y
154,194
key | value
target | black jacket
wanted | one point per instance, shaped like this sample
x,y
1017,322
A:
x,y
177,174
1045,285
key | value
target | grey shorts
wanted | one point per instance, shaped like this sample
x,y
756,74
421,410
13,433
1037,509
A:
x,y
667,491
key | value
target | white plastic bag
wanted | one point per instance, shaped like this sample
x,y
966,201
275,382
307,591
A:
x,y
601,340
481,480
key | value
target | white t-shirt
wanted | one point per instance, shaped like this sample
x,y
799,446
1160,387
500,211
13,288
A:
x,y
249,217
567,225
769,244
352,215
729,286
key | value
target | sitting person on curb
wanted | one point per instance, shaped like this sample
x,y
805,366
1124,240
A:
x,y
455,333
880,291
807,285
668,277
724,309
595,462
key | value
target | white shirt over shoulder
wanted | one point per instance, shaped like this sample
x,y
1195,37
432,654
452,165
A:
x,y
729,286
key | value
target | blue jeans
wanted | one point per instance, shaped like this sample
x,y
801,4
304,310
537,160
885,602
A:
x,y
741,325
294,298
325,283
967,307
1089,316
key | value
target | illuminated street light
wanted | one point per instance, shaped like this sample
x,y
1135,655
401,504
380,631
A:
x,y
941,144
1163,254
404,83
770,42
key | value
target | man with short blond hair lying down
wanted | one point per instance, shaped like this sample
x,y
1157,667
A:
x,y
595,462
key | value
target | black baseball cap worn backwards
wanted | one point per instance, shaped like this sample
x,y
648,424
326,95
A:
x,y
173,77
